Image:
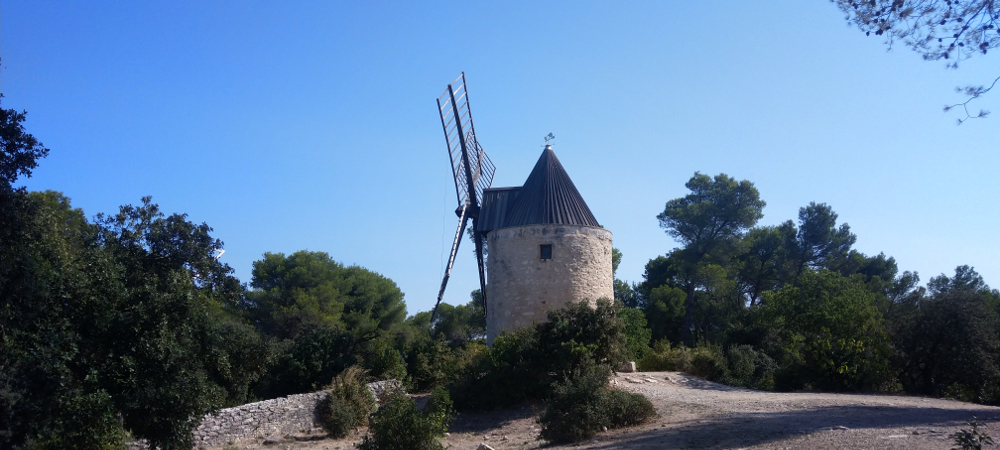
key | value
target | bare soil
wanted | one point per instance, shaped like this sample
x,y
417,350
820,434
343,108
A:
x,y
694,413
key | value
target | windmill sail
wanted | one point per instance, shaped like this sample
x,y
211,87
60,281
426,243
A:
x,y
460,137
471,169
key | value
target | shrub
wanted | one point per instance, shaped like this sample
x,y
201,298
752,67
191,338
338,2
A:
x,y
664,357
522,365
625,409
637,334
577,333
506,374
749,367
384,362
973,439
708,362
434,363
399,425
348,403
573,413
582,404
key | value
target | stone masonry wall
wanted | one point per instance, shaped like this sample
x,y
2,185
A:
x,y
522,287
277,417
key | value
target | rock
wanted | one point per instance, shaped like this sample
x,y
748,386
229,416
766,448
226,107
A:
x,y
270,440
629,367
483,446
604,428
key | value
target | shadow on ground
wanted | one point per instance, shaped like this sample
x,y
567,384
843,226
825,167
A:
x,y
749,429
479,422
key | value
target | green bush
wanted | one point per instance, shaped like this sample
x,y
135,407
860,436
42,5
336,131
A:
x,y
506,374
573,413
522,365
348,403
637,333
582,405
708,362
625,409
434,363
664,357
749,367
384,362
399,425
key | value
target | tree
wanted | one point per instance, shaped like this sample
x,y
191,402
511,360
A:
x,y
833,336
113,325
949,343
819,242
21,151
307,289
764,266
625,293
708,222
952,30
462,323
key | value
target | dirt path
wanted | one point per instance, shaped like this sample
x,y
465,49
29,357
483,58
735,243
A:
x,y
698,414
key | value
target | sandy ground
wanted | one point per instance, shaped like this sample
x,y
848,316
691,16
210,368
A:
x,y
694,413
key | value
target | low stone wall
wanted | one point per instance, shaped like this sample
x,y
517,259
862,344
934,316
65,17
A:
x,y
270,418
276,417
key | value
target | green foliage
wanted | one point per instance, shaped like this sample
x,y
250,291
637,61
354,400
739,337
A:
x,y
626,409
507,374
708,362
665,311
21,151
750,367
581,405
434,363
523,364
399,425
348,403
462,323
308,361
384,362
949,343
739,365
973,439
637,335
306,290
578,333
573,412
832,334
664,357
126,317
708,223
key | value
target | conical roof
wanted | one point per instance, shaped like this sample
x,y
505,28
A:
x,y
549,196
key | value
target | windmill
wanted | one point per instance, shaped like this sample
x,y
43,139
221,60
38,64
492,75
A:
x,y
472,171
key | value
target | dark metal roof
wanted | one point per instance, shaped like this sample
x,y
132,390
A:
x,y
496,204
548,196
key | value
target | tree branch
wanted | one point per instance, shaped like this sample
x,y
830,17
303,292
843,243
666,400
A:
x,y
973,92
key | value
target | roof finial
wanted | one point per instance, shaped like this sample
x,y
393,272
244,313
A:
x,y
549,138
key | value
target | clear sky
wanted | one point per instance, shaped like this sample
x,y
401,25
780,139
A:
x,y
296,125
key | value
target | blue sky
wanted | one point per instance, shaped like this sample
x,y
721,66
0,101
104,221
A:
x,y
296,125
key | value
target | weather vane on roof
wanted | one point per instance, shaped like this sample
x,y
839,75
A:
x,y
549,138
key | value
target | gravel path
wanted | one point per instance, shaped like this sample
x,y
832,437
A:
x,y
698,414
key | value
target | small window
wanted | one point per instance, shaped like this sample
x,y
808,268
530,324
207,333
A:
x,y
546,251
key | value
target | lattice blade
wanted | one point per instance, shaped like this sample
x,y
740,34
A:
x,y
456,121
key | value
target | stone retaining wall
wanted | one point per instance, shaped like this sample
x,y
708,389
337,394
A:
x,y
270,418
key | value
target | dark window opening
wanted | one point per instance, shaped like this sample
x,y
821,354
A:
x,y
546,251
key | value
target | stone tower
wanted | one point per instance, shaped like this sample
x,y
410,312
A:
x,y
545,248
